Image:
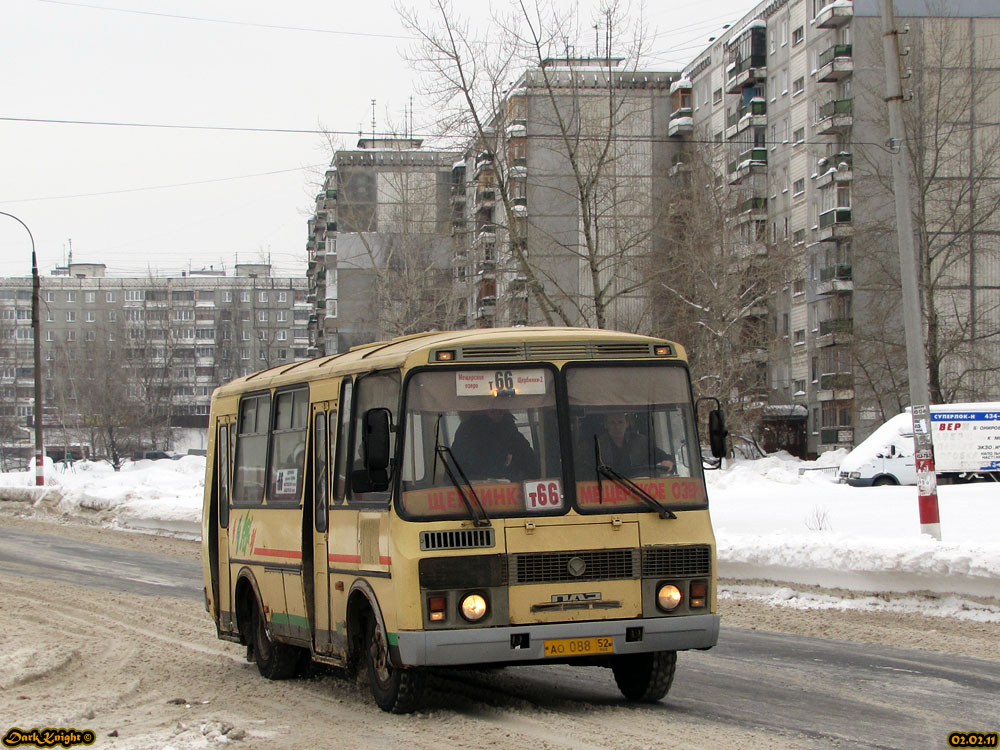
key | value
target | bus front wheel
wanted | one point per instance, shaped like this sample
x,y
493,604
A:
x,y
645,678
395,690
276,661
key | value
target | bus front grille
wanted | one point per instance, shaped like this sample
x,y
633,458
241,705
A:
x,y
676,562
582,565
457,539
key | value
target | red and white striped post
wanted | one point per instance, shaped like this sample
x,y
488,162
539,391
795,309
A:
x,y
927,499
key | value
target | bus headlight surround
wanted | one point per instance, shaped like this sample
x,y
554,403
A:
x,y
473,607
668,597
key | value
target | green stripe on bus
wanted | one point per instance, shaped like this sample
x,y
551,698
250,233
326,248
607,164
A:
x,y
393,639
283,618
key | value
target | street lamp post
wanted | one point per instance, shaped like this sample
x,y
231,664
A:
x,y
36,333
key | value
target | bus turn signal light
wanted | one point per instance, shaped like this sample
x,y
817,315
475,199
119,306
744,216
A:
x,y
445,356
699,594
436,606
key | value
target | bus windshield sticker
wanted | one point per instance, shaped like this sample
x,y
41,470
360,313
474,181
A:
x,y
500,383
542,495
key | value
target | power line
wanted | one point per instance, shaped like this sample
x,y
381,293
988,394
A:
x,y
230,22
163,187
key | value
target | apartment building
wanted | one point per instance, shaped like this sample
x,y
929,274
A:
x,y
379,244
194,332
794,94
553,205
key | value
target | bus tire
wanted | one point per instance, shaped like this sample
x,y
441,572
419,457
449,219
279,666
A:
x,y
275,661
884,481
644,678
395,690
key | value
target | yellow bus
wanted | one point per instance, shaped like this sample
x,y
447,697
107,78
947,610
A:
x,y
481,497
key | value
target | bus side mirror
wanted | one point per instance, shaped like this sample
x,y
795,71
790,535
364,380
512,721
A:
x,y
717,432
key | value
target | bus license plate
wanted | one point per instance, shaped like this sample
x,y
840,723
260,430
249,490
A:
x,y
580,646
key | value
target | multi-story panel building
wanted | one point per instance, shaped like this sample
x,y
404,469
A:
x,y
554,205
379,244
795,90
192,333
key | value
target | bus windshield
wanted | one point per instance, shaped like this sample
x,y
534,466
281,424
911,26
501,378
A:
x,y
491,435
633,432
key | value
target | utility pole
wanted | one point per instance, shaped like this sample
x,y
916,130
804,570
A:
x,y
916,359
36,332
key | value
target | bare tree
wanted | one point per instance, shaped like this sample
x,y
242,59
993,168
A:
x,y
579,256
717,281
952,139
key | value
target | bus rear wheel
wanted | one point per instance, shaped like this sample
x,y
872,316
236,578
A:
x,y
644,678
275,661
395,690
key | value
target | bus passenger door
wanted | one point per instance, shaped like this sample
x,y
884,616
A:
x,y
223,477
320,525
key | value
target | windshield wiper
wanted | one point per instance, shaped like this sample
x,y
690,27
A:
x,y
623,481
476,510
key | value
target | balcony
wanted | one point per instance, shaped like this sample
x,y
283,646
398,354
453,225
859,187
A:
x,y
680,123
751,161
834,169
834,225
835,64
835,117
486,197
746,72
752,209
836,381
835,15
753,113
835,280
836,326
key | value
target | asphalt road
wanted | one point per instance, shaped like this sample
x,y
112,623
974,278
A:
x,y
803,691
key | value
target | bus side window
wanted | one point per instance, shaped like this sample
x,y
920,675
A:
x,y
320,461
222,454
343,438
378,390
288,445
251,450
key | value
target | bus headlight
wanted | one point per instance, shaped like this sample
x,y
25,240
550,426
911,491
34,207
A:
x,y
473,607
668,597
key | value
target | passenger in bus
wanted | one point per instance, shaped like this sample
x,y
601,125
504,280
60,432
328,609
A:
x,y
488,445
623,450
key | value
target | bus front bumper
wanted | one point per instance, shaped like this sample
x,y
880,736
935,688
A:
x,y
493,645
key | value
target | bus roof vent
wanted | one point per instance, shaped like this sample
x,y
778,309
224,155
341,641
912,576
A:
x,y
559,350
457,539
495,351
624,349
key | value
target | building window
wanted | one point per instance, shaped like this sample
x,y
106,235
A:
x,y
282,316
71,296
797,36
799,136
800,336
799,186
282,296
262,297
90,297
799,236
71,335
109,297
282,335
135,295
50,296
262,316
798,86
91,335
244,296
112,316
717,96
70,316
91,316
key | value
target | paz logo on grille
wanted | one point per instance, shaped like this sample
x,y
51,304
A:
x,y
576,567
592,596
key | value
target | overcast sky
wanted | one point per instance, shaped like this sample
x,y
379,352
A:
x,y
169,198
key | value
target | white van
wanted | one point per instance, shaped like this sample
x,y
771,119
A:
x,y
966,446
